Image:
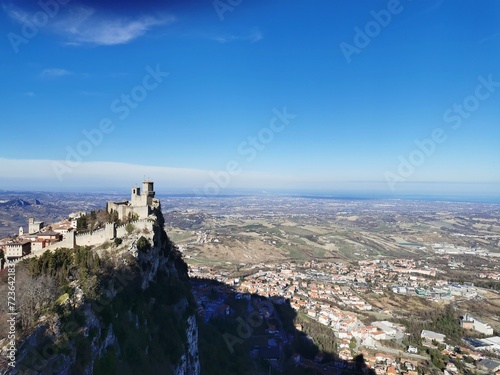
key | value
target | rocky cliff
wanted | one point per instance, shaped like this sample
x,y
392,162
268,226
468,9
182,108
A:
x,y
123,307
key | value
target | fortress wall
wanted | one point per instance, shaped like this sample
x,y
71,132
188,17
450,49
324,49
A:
x,y
68,240
97,237
121,230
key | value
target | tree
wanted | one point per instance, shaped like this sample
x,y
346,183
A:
x,y
81,223
92,219
34,293
113,217
143,244
352,346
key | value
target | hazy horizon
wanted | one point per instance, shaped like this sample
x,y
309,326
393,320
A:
x,y
339,193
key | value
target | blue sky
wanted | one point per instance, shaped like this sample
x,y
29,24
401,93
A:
x,y
353,118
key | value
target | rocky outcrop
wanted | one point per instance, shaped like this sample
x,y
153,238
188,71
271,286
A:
x,y
143,318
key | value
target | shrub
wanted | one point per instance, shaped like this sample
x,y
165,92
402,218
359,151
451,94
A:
x,y
129,228
143,244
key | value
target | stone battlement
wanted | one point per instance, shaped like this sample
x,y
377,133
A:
x,y
89,233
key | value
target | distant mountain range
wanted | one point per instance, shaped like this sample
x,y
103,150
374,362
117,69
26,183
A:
x,y
19,203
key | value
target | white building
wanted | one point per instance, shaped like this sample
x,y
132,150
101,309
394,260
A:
x,y
412,349
386,327
430,335
17,249
478,326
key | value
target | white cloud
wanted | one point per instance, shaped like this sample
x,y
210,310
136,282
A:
x,y
55,72
84,26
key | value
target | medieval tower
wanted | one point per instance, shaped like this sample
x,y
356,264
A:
x,y
142,202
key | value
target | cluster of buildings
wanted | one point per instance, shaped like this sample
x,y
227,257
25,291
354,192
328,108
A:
x,y
40,238
210,300
265,334
451,249
332,294
473,348
410,277
447,248
317,299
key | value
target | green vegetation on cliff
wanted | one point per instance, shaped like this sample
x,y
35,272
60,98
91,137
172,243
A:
x,y
94,313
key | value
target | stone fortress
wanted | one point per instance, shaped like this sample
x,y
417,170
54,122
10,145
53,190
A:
x,y
139,212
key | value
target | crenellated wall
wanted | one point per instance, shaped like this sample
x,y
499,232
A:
x,y
96,237
110,232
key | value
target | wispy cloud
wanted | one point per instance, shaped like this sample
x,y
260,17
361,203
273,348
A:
x,y
29,93
252,37
84,26
54,72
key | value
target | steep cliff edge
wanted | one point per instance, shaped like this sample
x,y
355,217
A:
x,y
124,307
